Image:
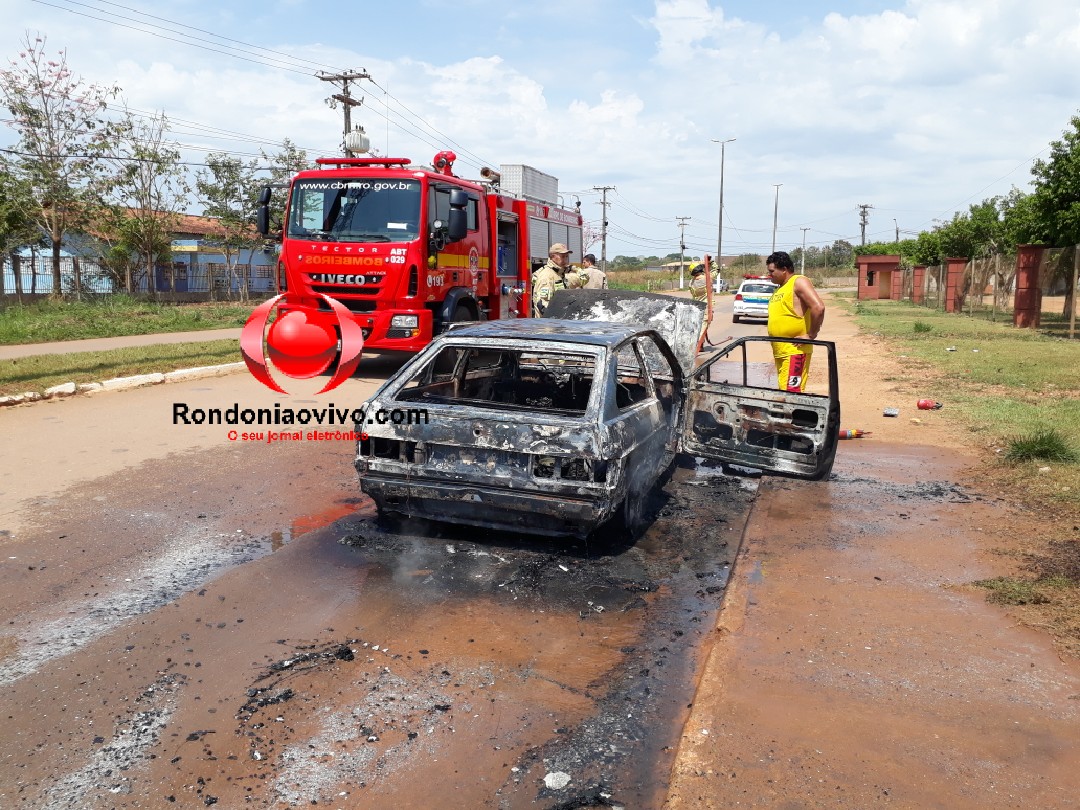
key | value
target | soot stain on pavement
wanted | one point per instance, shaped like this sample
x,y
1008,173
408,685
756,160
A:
x,y
668,586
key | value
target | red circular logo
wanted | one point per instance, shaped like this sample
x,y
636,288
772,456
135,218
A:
x,y
302,342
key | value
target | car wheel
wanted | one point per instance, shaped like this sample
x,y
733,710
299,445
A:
x,y
631,515
391,521
632,509
461,314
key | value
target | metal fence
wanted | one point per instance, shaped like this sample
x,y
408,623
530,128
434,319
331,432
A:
x,y
989,284
33,276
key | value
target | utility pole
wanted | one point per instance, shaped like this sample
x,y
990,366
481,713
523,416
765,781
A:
x,y
864,217
720,227
775,211
682,246
894,222
345,97
803,270
603,224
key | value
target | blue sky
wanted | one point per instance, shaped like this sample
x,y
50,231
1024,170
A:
x,y
918,108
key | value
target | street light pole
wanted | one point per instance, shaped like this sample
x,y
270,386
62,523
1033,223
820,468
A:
x,y
803,262
682,246
775,211
720,227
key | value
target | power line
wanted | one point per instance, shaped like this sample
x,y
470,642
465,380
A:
x,y
255,55
603,224
864,218
204,31
345,98
119,158
639,212
480,161
208,130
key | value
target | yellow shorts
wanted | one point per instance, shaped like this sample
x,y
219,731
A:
x,y
793,370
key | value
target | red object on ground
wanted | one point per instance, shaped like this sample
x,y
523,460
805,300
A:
x,y
928,405
854,433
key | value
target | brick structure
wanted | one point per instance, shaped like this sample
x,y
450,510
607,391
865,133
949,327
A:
x,y
896,293
918,284
1027,310
876,276
954,283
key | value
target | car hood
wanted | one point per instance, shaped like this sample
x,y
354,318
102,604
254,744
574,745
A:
x,y
677,320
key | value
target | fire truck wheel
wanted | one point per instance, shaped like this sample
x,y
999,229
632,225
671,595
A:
x,y
462,313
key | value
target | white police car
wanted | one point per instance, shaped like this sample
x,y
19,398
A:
x,y
752,298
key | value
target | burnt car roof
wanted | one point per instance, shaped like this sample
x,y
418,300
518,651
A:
x,y
594,333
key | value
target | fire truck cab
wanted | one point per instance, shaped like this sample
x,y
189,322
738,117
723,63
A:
x,y
409,250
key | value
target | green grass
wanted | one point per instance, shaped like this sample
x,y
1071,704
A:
x,y
972,353
644,280
1015,390
1014,591
44,371
46,321
1043,444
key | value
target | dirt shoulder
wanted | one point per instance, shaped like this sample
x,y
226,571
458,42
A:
x,y
853,664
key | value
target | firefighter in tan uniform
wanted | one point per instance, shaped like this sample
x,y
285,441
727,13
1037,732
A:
x,y
555,275
596,279
697,283
699,292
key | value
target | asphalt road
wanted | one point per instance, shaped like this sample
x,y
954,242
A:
x,y
194,619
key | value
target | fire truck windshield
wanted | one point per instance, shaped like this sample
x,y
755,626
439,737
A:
x,y
355,210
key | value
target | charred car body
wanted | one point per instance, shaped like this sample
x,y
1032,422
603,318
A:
x,y
557,425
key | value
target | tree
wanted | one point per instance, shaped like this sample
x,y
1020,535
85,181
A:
x,y
1057,189
1057,199
149,191
61,138
17,225
621,262
748,263
283,166
841,254
927,250
229,193
1019,219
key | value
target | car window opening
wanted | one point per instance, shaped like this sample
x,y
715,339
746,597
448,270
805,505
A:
x,y
505,379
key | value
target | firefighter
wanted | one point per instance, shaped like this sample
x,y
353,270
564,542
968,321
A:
x,y
697,283
595,278
555,275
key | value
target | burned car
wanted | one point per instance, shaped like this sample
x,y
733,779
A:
x,y
561,424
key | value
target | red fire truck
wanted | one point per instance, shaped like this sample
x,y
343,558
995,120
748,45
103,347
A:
x,y
408,250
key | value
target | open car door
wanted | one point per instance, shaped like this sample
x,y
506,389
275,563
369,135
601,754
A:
x,y
736,413
677,320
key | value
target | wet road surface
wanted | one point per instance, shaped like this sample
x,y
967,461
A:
x,y
234,627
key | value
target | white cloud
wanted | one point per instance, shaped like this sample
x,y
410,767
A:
x,y
913,108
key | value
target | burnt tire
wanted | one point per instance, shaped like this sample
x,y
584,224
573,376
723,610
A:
x,y
632,516
462,314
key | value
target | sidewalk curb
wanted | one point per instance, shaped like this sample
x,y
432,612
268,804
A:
x,y
69,389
